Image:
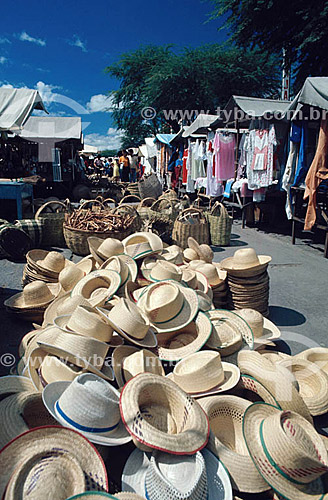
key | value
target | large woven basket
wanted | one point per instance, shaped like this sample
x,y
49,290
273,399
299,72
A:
x,y
191,222
220,225
150,187
144,207
130,210
52,223
170,194
133,199
164,207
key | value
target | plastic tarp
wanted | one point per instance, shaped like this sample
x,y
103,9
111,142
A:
x,y
16,106
313,93
91,150
164,138
52,127
251,107
201,125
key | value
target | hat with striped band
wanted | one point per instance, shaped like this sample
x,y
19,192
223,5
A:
x,y
98,287
125,265
93,495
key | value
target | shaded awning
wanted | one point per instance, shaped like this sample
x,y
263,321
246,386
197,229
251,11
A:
x,y
52,127
164,138
16,106
313,93
244,108
200,126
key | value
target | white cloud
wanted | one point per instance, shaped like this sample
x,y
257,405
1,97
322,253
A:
x,y
46,92
3,60
77,42
112,140
100,103
3,39
6,86
24,37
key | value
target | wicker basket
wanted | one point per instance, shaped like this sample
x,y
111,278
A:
x,y
150,187
132,199
164,207
191,222
130,210
144,208
107,201
170,194
220,225
77,239
52,224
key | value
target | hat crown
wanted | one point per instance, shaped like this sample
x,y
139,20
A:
x,y
35,292
246,256
163,302
115,264
140,362
110,247
189,276
54,369
91,402
54,261
69,276
86,321
69,305
164,270
127,316
254,319
176,478
199,372
294,447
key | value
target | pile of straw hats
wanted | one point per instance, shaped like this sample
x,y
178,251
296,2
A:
x,y
248,280
43,265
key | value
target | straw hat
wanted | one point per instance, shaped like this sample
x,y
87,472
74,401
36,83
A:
x,y
214,275
155,241
89,405
168,305
226,441
102,250
123,264
263,329
94,495
81,351
194,264
313,384
62,305
34,295
245,259
54,461
158,414
12,384
128,496
203,373
203,251
205,302
129,322
195,280
197,477
173,254
276,379
21,412
228,332
98,286
273,355
148,263
317,355
164,270
69,276
286,449
28,337
189,254
257,390
128,361
53,261
86,321
174,346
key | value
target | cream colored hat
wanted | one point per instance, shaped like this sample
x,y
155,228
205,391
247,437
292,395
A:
x,y
130,322
53,261
51,462
228,332
98,287
125,265
286,449
148,263
130,361
174,346
128,496
173,254
195,280
12,384
164,270
169,305
245,259
203,373
160,415
89,405
226,441
203,251
317,355
189,254
276,379
35,295
62,305
69,276
194,264
155,241
86,321
102,250
214,275
98,495
137,247
263,329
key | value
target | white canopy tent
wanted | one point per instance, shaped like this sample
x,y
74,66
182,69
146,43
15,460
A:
x,y
52,127
16,106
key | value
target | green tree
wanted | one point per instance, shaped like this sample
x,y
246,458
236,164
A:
x,y
299,26
197,79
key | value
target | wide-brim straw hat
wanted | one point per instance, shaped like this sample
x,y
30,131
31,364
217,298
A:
x,y
228,332
98,286
21,412
226,441
40,449
184,317
174,346
218,481
122,352
317,355
18,301
35,259
12,384
155,241
270,330
285,477
257,390
148,263
64,304
52,393
114,247
160,415
243,260
312,382
127,261
276,379
163,271
203,251
215,276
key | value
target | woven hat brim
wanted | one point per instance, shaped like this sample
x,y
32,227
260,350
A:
x,y
101,298
321,353
17,301
203,328
229,264
155,241
129,262
92,495
11,384
118,356
253,417
186,316
218,482
51,311
85,265
242,329
62,321
94,243
44,438
51,394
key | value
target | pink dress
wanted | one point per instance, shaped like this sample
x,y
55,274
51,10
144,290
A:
x,y
224,147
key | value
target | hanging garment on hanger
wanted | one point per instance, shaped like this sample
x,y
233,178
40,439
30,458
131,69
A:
x,y
184,166
190,185
289,174
260,178
224,147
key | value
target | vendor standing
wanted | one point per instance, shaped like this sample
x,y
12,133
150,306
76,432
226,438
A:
x,y
125,164
133,165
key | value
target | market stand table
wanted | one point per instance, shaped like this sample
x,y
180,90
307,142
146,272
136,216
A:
x,y
16,190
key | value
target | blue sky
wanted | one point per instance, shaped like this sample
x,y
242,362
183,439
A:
x,y
62,47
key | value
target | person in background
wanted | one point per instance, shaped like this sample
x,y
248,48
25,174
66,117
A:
x,y
125,165
133,165
116,170
98,166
